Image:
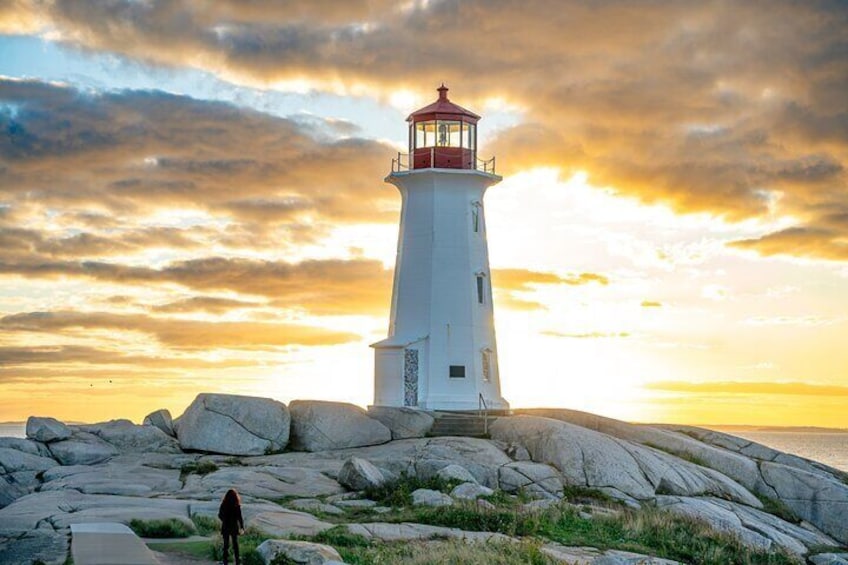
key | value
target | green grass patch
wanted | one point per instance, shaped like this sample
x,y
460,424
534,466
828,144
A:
x,y
201,549
170,528
779,509
206,525
447,552
399,492
234,462
197,468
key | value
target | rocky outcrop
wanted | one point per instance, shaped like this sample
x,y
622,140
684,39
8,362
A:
x,y
161,419
592,459
321,426
127,437
359,474
821,500
46,429
534,479
404,423
82,448
117,471
755,528
234,425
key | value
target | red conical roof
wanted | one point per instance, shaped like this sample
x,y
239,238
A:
x,y
442,109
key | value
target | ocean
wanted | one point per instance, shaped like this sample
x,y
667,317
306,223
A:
x,y
830,448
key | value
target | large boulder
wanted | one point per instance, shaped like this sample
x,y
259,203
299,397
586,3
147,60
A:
x,y
820,500
234,425
162,420
429,497
82,448
19,471
300,552
596,460
678,442
321,426
534,479
755,528
127,437
403,422
359,474
45,429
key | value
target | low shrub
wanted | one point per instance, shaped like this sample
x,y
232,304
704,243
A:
x,y
169,528
399,492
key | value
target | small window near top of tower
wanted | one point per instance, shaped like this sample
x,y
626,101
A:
x,y
487,365
457,371
480,289
475,219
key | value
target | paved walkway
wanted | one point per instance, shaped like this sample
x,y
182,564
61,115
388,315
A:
x,y
108,544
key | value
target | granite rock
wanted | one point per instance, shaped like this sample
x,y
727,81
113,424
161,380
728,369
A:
x,y
320,426
234,425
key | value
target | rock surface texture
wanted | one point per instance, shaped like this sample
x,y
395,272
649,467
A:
x,y
162,420
404,423
118,471
321,426
234,425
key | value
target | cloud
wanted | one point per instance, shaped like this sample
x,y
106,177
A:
x,y
524,279
209,304
127,153
708,107
800,242
587,335
332,286
179,333
651,304
11,358
742,387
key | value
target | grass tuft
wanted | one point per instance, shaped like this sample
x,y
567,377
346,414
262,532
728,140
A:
x,y
169,528
779,509
197,468
205,525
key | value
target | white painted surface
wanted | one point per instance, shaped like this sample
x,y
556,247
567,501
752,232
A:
x,y
435,308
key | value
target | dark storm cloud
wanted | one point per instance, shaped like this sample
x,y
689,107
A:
x,y
707,106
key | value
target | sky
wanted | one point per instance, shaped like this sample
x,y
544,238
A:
x,y
192,200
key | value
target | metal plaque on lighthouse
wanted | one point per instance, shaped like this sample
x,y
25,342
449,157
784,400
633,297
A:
x,y
441,352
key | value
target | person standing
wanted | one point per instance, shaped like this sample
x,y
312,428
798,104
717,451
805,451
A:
x,y
231,523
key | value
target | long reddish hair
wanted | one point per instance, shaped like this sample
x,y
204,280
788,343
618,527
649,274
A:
x,y
231,499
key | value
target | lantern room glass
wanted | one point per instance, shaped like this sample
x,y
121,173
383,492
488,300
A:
x,y
444,133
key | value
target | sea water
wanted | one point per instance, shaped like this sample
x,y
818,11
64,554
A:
x,y
830,448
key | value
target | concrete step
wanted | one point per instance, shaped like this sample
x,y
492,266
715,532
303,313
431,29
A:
x,y
460,425
108,543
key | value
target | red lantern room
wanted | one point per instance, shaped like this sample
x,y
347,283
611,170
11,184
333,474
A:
x,y
443,135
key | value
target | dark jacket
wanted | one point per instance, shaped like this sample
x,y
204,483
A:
x,y
231,520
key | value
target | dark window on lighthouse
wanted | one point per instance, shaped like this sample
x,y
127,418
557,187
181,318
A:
x,y
480,289
456,371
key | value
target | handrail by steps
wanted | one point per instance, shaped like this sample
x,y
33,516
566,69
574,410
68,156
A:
x,y
483,412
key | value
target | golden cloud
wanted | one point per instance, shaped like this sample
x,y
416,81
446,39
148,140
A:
x,y
743,387
707,107
179,333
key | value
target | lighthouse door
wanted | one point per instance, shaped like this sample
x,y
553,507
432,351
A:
x,y
410,377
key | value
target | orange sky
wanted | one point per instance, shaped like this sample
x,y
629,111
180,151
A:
x,y
191,199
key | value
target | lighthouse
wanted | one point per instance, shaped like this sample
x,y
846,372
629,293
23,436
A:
x,y
441,352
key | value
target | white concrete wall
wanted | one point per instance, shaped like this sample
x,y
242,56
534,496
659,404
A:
x,y
435,288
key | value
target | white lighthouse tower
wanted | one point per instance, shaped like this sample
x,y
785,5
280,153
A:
x,y
441,352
